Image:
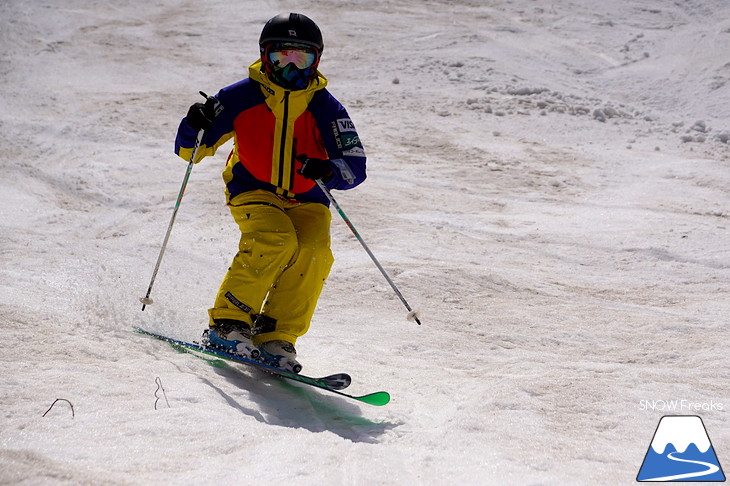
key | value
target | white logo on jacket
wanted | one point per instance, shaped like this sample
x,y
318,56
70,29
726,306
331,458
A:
x,y
345,125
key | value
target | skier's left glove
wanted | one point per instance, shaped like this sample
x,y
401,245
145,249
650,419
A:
x,y
315,168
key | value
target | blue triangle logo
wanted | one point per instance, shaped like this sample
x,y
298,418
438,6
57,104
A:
x,y
681,451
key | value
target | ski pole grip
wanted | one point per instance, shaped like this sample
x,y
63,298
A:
x,y
217,106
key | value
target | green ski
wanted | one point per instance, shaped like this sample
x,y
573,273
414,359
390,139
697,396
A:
x,y
333,383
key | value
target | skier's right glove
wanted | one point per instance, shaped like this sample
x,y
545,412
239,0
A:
x,y
201,115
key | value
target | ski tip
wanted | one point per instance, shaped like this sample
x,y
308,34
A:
x,y
378,398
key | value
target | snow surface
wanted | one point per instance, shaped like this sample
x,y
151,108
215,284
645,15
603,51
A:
x,y
548,186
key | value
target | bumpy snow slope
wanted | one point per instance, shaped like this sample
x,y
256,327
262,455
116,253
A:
x,y
548,184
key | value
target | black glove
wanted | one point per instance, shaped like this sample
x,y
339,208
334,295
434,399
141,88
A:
x,y
201,115
315,168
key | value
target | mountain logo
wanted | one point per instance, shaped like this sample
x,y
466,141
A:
x,y
680,451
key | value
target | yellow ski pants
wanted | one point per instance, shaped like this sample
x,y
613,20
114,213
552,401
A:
x,y
283,260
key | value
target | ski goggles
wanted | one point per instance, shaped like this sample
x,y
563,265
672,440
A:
x,y
282,54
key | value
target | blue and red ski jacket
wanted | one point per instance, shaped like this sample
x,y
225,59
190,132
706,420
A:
x,y
271,126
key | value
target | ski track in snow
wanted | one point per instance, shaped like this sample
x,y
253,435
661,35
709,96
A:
x,y
548,184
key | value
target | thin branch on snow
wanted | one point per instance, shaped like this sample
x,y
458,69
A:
x,y
159,387
61,400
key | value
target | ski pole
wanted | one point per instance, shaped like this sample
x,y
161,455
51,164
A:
x,y
146,300
412,314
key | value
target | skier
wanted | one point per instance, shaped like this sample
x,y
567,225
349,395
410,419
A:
x,y
288,132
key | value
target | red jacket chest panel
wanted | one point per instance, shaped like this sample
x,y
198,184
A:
x,y
259,152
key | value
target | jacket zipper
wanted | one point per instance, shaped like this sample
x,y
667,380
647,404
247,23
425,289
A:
x,y
282,147
293,163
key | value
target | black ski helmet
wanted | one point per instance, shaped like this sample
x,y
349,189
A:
x,y
290,28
